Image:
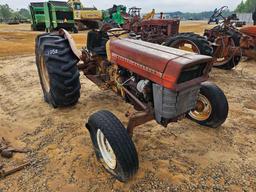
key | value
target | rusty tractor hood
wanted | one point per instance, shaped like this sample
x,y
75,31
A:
x,y
160,64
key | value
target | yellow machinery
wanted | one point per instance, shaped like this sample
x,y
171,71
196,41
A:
x,y
150,15
85,17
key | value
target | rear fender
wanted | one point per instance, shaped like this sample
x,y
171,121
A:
x,y
72,43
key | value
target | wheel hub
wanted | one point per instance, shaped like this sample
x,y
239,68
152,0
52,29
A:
x,y
200,106
203,109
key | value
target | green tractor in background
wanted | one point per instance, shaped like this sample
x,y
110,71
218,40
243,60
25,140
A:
x,y
115,15
37,16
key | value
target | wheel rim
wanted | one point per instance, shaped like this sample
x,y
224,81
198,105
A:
x,y
225,51
106,150
186,45
203,109
44,75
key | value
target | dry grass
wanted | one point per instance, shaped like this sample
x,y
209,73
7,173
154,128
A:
x,y
20,40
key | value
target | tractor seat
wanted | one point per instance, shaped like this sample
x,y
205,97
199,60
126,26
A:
x,y
96,42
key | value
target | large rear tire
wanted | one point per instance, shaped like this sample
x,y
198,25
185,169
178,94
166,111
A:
x,y
190,42
57,69
113,146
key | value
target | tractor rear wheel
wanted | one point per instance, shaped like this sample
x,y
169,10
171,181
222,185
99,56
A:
x,y
211,108
57,69
113,146
190,42
235,59
229,60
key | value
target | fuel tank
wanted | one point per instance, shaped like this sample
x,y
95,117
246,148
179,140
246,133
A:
x,y
172,68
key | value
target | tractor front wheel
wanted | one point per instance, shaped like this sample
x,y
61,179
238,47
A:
x,y
211,108
113,146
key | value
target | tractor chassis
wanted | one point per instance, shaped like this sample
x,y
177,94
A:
x,y
111,140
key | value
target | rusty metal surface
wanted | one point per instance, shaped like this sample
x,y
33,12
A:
x,y
5,173
158,30
249,53
142,105
157,63
225,50
7,151
138,119
250,31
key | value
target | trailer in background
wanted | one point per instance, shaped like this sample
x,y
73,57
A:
x,y
37,16
52,15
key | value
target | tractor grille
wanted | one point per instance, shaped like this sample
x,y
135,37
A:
x,y
64,15
193,72
170,104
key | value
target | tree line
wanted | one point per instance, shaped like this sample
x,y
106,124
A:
x,y
246,6
6,13
195,16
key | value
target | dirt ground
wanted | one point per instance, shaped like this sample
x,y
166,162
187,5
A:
x,y
182,157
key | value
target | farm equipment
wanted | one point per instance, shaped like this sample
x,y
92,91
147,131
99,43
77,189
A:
x,y
248,41
52,15
230,43
85,17
225,43
222,42
162,83
147,28
115,15
163,31
37,16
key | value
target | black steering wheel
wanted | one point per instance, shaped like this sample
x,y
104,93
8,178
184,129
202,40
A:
x,y
219,12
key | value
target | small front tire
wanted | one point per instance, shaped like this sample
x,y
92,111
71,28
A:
x,y
212,106
113,146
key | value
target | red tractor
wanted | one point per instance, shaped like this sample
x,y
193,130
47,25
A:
x,y
149,28
163,84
